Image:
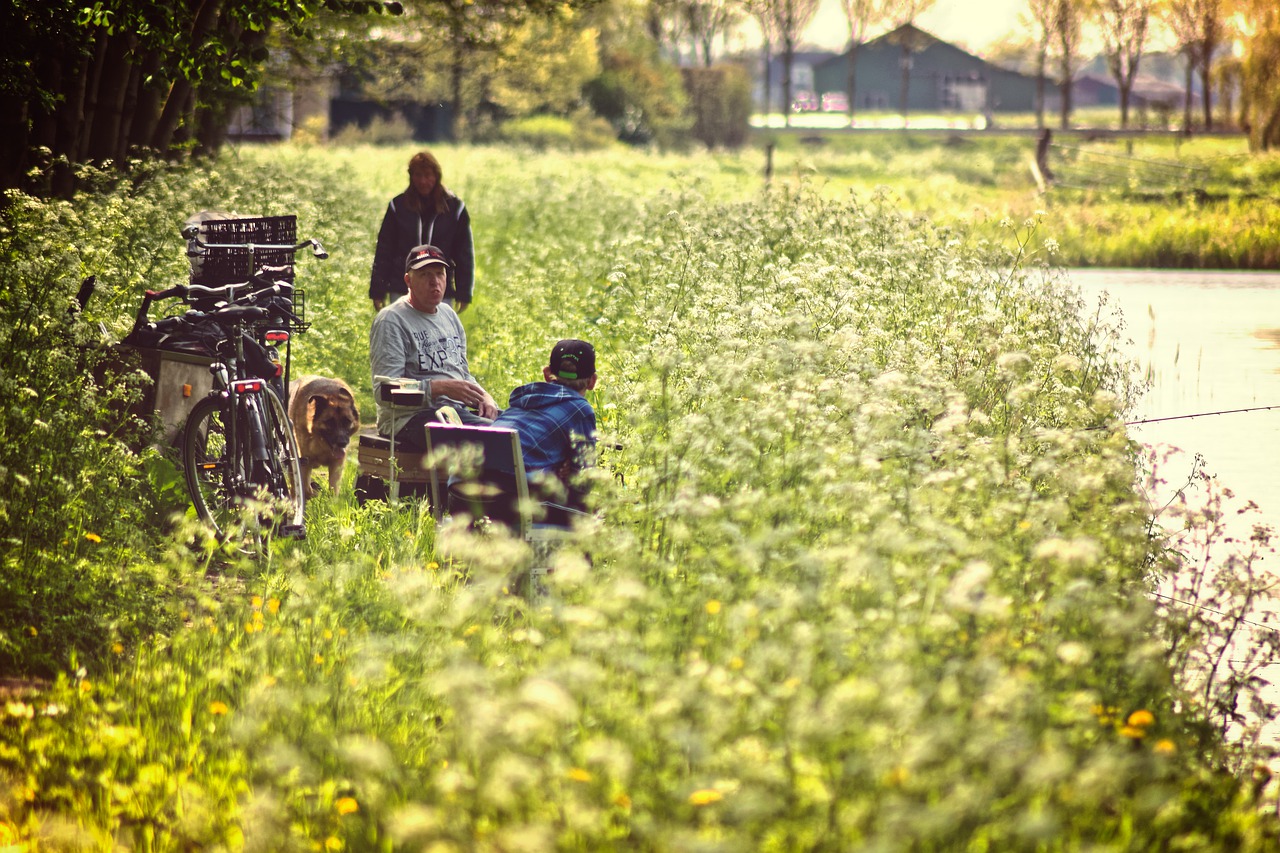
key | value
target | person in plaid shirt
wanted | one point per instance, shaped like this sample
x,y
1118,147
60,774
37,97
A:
x,y
557,425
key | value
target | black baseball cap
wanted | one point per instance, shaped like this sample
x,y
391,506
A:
x,y
573,359
424,256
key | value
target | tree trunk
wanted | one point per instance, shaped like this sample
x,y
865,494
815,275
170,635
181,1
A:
x,y
14,137
788,54
177,104
145,118
174,108
851,80
70,127
1207,47
1042,60
108,111
128,112
1186,99
768,78
456,68
1066,86
101,48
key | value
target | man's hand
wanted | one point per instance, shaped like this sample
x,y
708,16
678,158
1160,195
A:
x,y
467,393
459,307
488,408
378,303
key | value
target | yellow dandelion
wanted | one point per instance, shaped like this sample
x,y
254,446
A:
x,y
333,843
256,601
622,801
1141,718
273,606
31,630
347,805
117,648
85,686
93,537
713,607
218,709
705,796
736,663
1133,732
328,635
897,777
1164,746
319,659
8,833
471,629
578,774
342,632
432,566
1024,525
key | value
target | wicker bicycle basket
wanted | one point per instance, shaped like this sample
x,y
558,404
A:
x,y
236,253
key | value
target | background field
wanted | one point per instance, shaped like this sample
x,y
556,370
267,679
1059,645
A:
x,y
872,567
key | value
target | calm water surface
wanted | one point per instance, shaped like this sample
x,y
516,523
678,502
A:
x,y
1209,341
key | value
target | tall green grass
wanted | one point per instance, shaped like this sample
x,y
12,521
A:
x,y
872,567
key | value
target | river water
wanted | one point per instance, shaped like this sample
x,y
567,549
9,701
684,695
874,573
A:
x,y
1209,342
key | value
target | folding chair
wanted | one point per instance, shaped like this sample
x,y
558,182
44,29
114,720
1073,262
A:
x,y
486,479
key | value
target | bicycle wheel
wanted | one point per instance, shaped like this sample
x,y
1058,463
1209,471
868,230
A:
x,y
215,480
282,476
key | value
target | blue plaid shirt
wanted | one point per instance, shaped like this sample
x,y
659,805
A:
x,y
556,425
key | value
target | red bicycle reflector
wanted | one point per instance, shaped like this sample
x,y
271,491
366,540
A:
x,y
247,386
277,337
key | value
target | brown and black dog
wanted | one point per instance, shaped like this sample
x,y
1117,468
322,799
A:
x,y
324,416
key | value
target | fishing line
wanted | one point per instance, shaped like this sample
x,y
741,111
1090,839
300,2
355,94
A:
x,y
1197,415
1192,604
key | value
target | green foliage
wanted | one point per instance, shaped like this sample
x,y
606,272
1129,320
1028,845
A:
x,y
720,101
379,131
583,132
641,96
873,570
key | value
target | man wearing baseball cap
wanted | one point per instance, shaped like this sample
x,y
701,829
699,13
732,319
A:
x,y
419,337
557,425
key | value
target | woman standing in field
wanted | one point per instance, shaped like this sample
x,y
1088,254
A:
x,y
424,213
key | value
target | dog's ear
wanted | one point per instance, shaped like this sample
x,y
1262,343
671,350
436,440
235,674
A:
x,y
315,406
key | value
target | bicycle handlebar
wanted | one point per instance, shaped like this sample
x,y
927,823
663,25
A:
x,y
236,295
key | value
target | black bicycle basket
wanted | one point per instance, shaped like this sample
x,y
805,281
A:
x,y
237,257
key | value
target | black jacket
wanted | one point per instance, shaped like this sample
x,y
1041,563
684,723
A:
x,y
402,229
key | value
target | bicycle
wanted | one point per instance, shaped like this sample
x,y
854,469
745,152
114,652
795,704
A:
x,y
238,448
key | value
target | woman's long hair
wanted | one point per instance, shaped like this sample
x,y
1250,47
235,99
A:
x,y
437,200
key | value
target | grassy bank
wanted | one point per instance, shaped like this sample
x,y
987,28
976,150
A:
x,y
872,569
1163,202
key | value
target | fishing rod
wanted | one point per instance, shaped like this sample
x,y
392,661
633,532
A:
x,y
1197,415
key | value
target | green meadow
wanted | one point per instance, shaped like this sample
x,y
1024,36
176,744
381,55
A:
x,y
872,566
